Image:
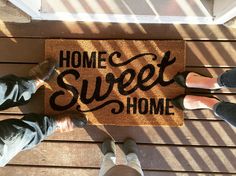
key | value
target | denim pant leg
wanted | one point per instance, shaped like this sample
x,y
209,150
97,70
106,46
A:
x,y
22,134
226,111
133,162
228,78
15,91
108,162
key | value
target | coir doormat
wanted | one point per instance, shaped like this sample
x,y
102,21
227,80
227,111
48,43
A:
x,y
116,82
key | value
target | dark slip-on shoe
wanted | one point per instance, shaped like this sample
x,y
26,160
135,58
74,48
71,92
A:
x,y
130,146
108,146
179,101
180,78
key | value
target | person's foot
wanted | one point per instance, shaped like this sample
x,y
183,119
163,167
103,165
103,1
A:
x,y
130,146
108,146
42,72
192,102
195,80
67,122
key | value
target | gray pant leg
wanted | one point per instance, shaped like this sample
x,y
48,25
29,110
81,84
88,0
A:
x,y
15,91
226,111
108,162
228,78
133,162
21,134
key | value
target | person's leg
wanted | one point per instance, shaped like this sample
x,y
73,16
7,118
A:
x,y
228,79
109,159
133,161
195,80
15,90
22,134
131,150
226,111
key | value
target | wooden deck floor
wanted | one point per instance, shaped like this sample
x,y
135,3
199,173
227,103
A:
x,y
206,145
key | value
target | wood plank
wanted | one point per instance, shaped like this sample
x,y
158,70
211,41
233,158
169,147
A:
x,y
51,171
16,69
200,159
46,171
204,133
211,53
197,53
192,133
21,50
90,30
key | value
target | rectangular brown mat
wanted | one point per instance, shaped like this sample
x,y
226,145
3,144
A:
x,y
116,82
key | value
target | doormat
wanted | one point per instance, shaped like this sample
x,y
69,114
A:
x,y
116,82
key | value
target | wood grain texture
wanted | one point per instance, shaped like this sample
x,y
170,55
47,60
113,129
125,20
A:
x,y
198,53
47,171
21,50
211,54
201,133
206,159
82,30
51,171
21,70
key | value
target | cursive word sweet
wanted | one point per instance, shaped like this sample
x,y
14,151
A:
x,y
141,80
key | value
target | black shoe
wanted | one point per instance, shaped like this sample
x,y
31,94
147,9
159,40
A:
x,y
108,146
179,102
68,121
130,146
43,70
180,78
